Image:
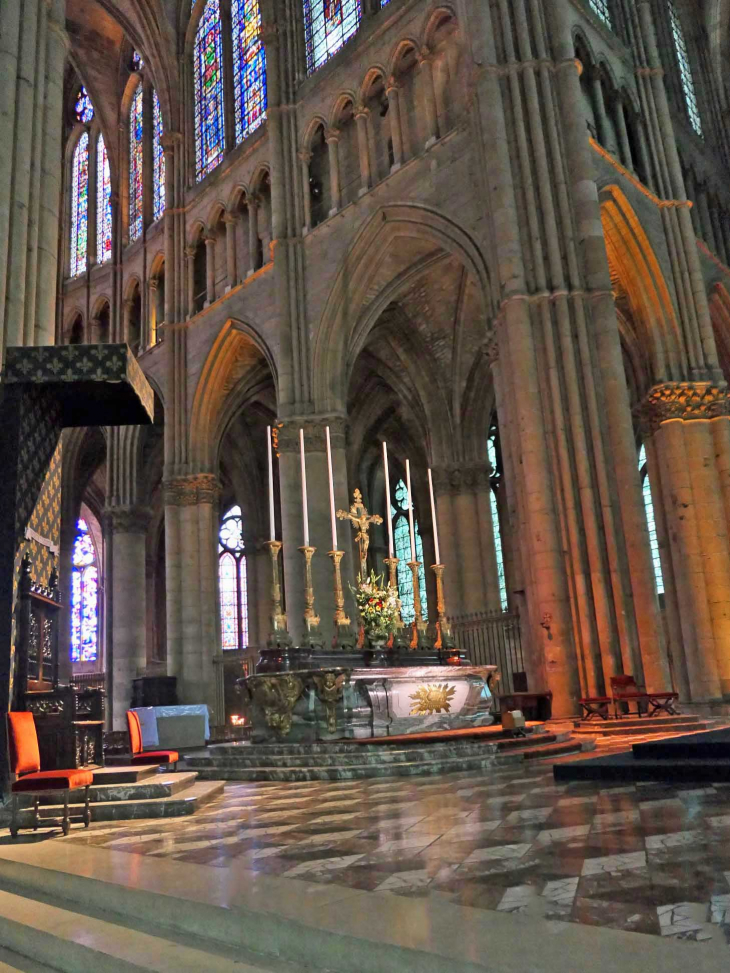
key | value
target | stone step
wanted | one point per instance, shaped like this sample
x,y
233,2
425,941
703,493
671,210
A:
x,y
160,785
619,728
15,963
125,775
188,801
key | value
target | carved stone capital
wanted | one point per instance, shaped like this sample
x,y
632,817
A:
x,y
127,520
314,434
456,480
332,135
491,348
682,400
169,140
189,491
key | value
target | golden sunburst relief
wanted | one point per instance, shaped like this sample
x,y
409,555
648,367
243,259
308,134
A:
x,y
428,700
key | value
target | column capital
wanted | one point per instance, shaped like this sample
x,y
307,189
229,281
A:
x,y
127,519
490,347
189,491
332,135
314,434
682,400
461,479
424,56
152,283
391,85
169,140
210,240
361,111
230,218
305,156
190,252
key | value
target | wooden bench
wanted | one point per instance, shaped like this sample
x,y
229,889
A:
x,y
595,706
625,690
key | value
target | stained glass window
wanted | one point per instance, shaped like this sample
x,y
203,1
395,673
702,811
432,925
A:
x,y
402,542
84,597
136,153
249,67
602,8
158,160
384,3
79,206
651,521
685,69
103,203
83,107
328,25
208,77
232,581
137,61
494,507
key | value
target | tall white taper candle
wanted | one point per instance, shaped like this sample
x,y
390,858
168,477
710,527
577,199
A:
x,y
433,516
410,510
332,489
387,501
272,518
305,515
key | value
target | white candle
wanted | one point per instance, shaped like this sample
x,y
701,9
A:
x,y
387,501
272,519
332,489
305,516
433,516
410,510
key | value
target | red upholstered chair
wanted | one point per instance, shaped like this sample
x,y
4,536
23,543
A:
x,y
140,756
25,765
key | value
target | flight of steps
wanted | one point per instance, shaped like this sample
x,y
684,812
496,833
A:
x,y
643,726
130,793
352,761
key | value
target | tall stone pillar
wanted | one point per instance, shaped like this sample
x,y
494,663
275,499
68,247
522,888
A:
x,y
231,227
396,131
210,268
253,232
126,529
363,146
333,142
425,67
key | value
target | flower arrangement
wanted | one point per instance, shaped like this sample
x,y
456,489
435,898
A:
x,y
377,605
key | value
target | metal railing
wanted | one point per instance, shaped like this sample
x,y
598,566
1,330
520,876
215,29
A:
x,y
493,639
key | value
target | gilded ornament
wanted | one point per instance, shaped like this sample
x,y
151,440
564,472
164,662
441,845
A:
x,y
434,698
277,696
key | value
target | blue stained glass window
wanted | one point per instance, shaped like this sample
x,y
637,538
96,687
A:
x,y
328,25
137,61
651,521
496,528
208,80
79,206
602,8
402,542
136,154
84,108
103,203
249,67
232,581
84,597
158,160
685,69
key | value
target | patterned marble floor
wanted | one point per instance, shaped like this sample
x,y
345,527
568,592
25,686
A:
x,y
647,858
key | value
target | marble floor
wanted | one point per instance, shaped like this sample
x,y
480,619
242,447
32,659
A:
x,y
647,858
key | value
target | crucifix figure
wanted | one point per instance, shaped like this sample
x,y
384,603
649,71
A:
x,y
361,521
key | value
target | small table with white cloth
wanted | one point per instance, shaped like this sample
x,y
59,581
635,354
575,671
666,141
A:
x,y
174,727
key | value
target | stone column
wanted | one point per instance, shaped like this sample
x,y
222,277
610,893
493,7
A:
x,y
333,142
396,132
150,337
705,219
95,331
363,145
305,158
253,232
425,66
623,134
190,255
126,529
231,224
602,124
210,268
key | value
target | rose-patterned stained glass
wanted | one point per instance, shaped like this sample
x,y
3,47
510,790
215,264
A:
x,y
232,581
103,203
402,543
84,108
328,25
249,67
79,206
136,157
158,160
84,597
208,80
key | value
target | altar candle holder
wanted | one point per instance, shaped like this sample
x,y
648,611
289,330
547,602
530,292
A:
x,y
279,633
443,640
343,631
311,619
392,563
419,626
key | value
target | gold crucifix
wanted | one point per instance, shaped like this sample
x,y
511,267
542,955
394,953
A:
x,y
361,521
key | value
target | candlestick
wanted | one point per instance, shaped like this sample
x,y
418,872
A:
x,y
410,510
333,518
443,629
344,637
388,517
392,563
305,515
311,619
419,626
272,519
279,634
433,517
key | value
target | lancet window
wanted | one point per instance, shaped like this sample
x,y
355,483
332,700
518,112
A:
x,y
136,157
232,581
84,597
603,9
208,82
494,462
103,203
158,160
80,206
328,25
402,543
685,68
651,521
249,67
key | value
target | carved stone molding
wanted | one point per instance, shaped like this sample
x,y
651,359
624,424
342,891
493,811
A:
x,y
681,400
188,491
490,347
461,479
127,520
314,434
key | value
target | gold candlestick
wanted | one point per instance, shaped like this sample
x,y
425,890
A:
x,y
311,619
443,629
279,633
392,563
419,626
343,633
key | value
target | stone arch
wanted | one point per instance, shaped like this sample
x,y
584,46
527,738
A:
x,y
237,355
400,50
435,20
374,73
639,283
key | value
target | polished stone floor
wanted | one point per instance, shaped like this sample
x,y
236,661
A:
x,y
646,858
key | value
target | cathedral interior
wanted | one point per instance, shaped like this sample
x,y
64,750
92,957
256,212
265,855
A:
x,y
349,348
